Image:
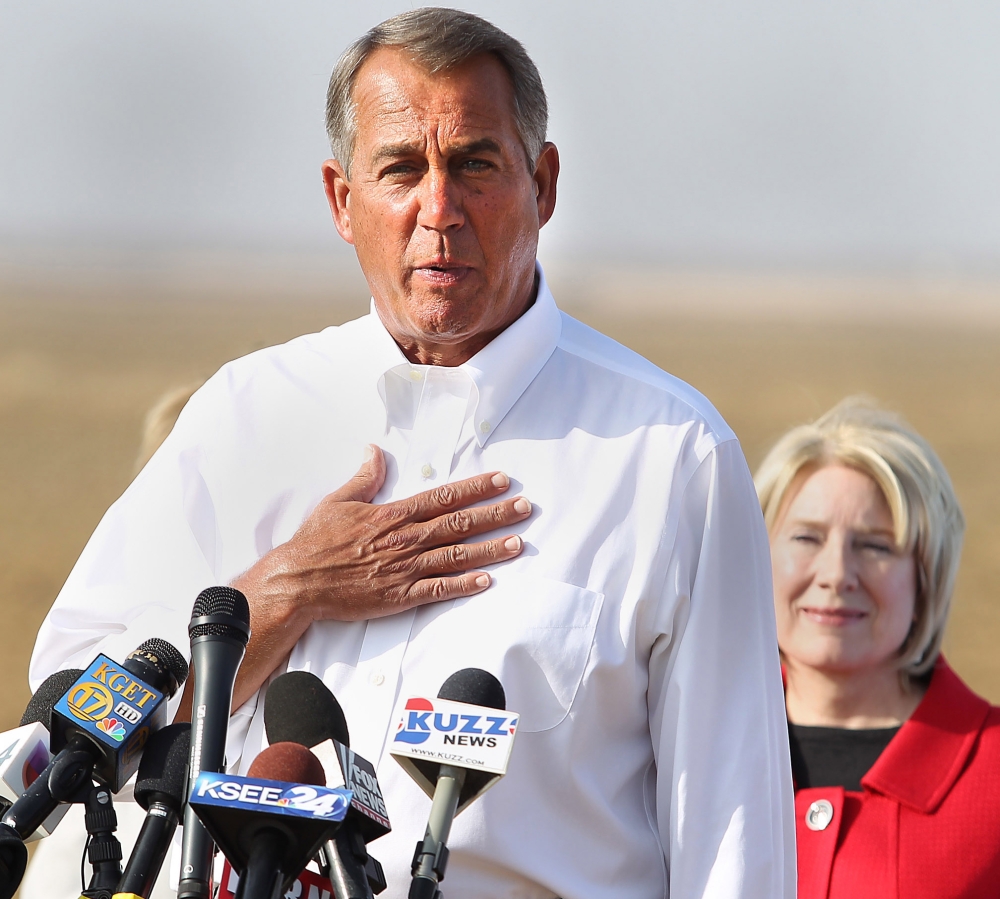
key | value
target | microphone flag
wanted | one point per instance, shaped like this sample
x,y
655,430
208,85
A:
x,y
233,806
24,755
435,732
114,709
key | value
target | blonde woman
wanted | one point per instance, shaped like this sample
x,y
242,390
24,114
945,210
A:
x,y
896,761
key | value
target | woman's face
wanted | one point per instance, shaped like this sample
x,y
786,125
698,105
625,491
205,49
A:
x,y
843,595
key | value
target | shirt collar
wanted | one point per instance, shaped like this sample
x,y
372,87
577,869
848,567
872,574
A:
x,y
502,370
923,761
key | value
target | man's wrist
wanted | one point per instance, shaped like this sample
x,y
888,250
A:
x,y
274,594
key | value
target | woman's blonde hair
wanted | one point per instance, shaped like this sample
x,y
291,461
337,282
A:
x,y
927,518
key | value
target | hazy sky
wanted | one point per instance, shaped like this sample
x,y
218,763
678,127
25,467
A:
x,y
774,131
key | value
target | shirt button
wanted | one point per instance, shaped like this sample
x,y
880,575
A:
x,y
427,471
819,815
484,426
416,375
376,678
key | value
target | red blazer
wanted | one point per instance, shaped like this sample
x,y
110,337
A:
x,y
927,822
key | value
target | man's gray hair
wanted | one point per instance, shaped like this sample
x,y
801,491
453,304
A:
x,y
439,40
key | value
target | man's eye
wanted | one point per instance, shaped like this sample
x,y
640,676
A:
x,y
398,169
476,165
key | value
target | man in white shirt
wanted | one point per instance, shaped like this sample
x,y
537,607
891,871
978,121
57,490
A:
x,y
623,600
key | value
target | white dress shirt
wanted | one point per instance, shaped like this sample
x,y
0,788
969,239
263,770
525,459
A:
x,y
634,634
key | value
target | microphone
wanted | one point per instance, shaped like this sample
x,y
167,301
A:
x,y
299,707
271,822
93,737
96,737
24,751
160,789
25,761
474,748
220,631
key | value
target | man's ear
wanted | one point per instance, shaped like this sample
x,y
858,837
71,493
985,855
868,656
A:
x,y
546,176
338,195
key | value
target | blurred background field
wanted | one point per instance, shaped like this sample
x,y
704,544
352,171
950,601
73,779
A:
x,y
781,202
80,364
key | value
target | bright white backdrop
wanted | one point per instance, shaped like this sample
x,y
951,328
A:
x,y
779,132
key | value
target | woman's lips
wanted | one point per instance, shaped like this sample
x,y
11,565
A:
x,y
836,617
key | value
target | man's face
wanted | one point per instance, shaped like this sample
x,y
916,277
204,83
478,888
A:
x,y
441,205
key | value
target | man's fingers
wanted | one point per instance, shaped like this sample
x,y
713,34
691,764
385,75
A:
x,y
367,482
448,497
464,556
435,589
454,526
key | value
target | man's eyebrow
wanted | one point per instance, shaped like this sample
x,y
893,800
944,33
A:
x,y
483,145
395,151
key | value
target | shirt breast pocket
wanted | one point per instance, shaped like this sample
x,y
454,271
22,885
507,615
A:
x,y
534,634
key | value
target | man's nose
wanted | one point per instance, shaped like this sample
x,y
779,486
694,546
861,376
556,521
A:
x,y
837,568
440,202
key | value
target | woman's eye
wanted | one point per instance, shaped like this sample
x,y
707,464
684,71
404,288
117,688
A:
x,y
877,546
805,538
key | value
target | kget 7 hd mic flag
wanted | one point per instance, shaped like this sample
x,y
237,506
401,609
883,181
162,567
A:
x,y
299,707
271,822
219,631
455,747
89,739
99,727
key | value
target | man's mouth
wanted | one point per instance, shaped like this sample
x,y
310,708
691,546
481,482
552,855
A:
x,y
442,270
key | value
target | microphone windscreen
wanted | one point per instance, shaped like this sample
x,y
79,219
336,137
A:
x,y
47,695
227,610
160,664
474,686
299,708
288,762
163,768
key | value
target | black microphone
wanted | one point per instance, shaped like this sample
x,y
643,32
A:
x,y
21,760
51,690
453,784
160,789
300,708
220,631
94,736
90,739
24,751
